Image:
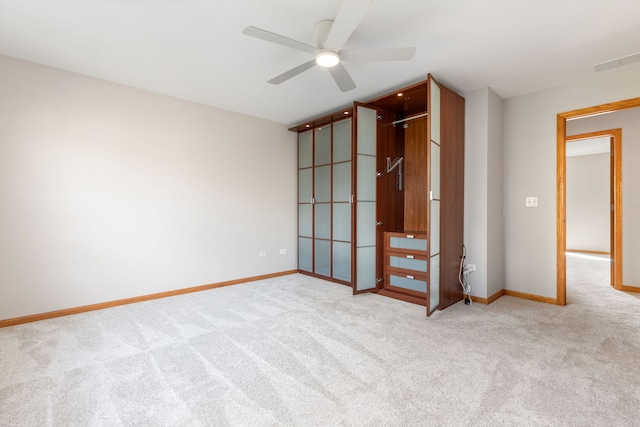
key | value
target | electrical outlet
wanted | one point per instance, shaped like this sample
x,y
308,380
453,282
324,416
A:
x,y
283,251
263,253
531,202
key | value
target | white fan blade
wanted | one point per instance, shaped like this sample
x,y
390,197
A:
x,y
292,72
349,16
278,39
381,54
342,78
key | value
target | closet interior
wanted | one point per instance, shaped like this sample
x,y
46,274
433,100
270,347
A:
x,y
380,195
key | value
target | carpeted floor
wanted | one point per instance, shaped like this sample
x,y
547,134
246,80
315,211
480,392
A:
x,y
298,351
587,269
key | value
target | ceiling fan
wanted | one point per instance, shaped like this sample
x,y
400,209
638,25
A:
x,y
330,37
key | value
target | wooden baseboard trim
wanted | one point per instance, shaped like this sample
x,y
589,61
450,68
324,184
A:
x,y
328,279
489,300
495,296
108,304
630,288
530,297
586,251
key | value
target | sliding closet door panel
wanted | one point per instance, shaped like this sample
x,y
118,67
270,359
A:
x,y
342,141
323,145
342,222
435,170
305,223
305,195
342,261
305,149
322,184
342,182
322,257
434,209
434,246
366,178
366,268
434,93
366,224
305,185
367,128
342,207
305,254
434,283
365,149
434,226
322,220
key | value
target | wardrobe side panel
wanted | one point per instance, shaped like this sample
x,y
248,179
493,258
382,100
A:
x,y
451,196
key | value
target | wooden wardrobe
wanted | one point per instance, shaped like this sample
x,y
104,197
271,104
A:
x,y
381,195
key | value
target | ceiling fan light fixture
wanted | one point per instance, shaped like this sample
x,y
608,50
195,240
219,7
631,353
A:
x,y
327,59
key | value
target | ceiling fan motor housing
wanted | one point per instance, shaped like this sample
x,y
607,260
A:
x,y
327,59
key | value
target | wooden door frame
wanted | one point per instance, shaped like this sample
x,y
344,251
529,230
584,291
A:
x,y
561,183
615,184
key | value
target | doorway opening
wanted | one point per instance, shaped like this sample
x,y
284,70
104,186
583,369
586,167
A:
x,y
561,242
593,208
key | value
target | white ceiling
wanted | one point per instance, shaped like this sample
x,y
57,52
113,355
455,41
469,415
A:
x,y
194,49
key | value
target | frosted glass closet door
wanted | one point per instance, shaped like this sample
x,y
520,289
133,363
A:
x,y
366,199
341,245
322,201
305,208
434,211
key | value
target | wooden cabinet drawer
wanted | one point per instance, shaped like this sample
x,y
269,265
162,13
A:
x,y
407,282
406,243
414,263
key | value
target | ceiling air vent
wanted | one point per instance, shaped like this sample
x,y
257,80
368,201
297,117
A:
x,y
619,62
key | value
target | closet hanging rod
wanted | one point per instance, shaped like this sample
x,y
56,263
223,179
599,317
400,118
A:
x,y
409,118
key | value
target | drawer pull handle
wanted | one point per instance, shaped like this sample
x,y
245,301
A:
x,y
409,277
410,236
410,257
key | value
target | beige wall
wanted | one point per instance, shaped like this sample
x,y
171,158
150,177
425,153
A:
x,y
109,192
530,170
475,187
483,191
588,202
495,208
